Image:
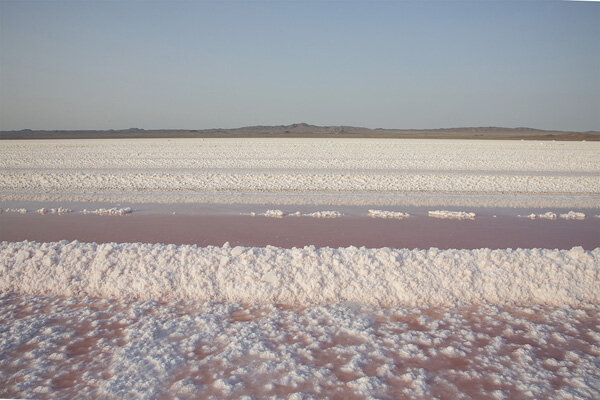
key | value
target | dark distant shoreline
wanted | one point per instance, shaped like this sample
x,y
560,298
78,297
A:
x,y
309,131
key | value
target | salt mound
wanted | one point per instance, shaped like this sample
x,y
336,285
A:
x,y
573,215
546,215
274,213
308,275
387,214
59,211
110,211
451,214
324,214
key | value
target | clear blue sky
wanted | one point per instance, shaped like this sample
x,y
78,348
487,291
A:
x,y
195,65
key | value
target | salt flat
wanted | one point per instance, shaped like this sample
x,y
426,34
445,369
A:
x,y
299,170
139,320
354,154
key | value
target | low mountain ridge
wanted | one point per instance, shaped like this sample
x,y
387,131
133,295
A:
x,y
298,130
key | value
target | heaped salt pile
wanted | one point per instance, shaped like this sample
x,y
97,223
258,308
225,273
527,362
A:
x,y
274,213
385,277
324,214
546,215
451,214
387,214
573,215
59,211
110,211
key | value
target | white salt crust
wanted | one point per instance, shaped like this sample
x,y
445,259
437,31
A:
x,y
273,213
546,215
213,168
324,214
451,214
573,215
304,154
58,211
54,347
388,214
109,211
385,277
293,181
64,211
14,210
316,214
380,199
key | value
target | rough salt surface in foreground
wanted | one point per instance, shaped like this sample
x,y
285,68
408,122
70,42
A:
x,y
81,347
150,320
385,277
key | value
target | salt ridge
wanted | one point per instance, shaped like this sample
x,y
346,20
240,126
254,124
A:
x,y
384,277
296,181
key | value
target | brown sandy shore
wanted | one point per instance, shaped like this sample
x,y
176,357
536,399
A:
x,y
485,231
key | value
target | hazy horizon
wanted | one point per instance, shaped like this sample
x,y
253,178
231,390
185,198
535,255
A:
x,y
183,65
298,123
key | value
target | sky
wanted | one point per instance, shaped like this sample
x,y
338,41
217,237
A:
x,y
200,65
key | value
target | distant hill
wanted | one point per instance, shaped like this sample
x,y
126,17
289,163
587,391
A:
x,y
303,130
